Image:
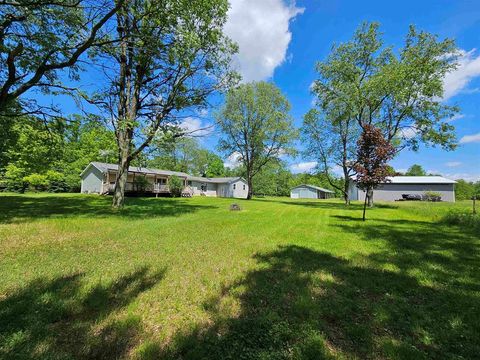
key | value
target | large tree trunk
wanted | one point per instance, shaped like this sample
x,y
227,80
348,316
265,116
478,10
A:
x,y
346,197
250,187
122,174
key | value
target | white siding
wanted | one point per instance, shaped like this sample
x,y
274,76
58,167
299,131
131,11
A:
x,y
210,189
304,192
239,189
92,181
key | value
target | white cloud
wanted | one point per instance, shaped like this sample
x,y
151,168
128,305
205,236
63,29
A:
x,y
408,133
202,112
453,164
470,138
261,30
233,160
468,68
456,117
195,127
464,176
303,166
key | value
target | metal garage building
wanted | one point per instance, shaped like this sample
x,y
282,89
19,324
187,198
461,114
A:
x,y
412,185
305,191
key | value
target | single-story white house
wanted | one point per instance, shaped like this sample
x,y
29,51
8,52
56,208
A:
x,y
398,186
306,191
99,178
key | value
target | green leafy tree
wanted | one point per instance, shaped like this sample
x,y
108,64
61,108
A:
x,y
255,123
399,92
213,164
331,138
416,170
59,152
464,190
171,56
39,38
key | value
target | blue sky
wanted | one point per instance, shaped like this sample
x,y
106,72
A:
x,y
280,41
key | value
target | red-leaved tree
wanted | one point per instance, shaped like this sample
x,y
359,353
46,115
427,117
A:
x,y
373,153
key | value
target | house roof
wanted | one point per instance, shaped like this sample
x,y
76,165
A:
x,y
314,187
105,167
419,180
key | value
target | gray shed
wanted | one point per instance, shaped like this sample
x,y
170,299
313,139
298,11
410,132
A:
x,y
305,191
397,186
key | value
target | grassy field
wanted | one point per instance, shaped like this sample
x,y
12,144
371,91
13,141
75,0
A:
x,y
189,279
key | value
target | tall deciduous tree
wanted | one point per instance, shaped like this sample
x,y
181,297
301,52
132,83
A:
x,y
40,37
399,92
171,56
373,153
331,138
255,124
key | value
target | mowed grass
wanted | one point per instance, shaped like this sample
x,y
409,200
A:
x,y
189,279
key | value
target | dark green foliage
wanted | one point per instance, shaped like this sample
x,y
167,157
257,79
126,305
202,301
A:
x,y
51,158
186,155
176,186
416,170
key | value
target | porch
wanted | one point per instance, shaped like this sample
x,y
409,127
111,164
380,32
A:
x,y
140,183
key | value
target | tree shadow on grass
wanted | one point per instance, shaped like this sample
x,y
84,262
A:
x,y
447,254
305,304
60,319
15,208
325,204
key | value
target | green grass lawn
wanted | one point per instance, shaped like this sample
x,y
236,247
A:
x,y
189,279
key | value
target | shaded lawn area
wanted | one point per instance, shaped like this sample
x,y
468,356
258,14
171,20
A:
x,y
188,279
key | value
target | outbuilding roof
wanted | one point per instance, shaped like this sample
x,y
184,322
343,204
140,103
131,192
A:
x,y
105,167
419,180
314,187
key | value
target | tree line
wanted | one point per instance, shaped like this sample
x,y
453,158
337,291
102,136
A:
x,y
156,62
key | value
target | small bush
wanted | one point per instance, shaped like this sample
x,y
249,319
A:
x,y
13,179
463,218
176,186
432,196
141,184
37,182
56,182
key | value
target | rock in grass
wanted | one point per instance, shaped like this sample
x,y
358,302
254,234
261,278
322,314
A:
x,y
235,207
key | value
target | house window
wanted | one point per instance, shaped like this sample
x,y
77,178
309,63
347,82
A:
x,y
243,186
234,186
189,183
203,187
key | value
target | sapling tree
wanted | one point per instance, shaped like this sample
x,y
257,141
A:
x,y
373,153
